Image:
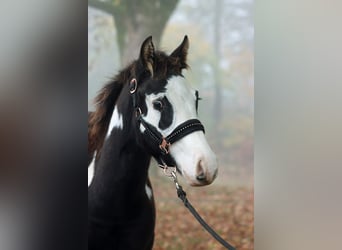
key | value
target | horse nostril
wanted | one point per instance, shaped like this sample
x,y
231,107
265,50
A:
x,y
200,172
200,177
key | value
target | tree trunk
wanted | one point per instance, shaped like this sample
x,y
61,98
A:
x,y
135,20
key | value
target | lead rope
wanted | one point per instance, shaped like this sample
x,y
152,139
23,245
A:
x,y
182,195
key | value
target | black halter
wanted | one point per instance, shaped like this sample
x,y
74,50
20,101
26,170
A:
x,y
160,145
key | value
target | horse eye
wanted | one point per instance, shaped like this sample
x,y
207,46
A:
x,y
158,105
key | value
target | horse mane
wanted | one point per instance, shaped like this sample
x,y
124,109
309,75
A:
x,y
98,121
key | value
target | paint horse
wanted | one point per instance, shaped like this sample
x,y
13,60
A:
x,y
146,111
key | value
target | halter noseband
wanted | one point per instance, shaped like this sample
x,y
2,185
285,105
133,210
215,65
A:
x,y
161,144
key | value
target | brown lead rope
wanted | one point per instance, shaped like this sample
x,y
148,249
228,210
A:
x,y
182,195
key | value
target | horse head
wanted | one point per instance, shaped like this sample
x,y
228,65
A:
x,y
165,108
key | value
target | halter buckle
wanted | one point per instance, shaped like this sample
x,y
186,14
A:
x,y
164,146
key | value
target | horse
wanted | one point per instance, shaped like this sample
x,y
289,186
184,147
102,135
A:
x,y
147,110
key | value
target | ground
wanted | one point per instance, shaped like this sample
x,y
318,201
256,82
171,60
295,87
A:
x,y
228,209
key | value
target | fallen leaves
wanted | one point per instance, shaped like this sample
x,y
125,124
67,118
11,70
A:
x,y
228,210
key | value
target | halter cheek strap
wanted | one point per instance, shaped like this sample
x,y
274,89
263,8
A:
x,y
161,145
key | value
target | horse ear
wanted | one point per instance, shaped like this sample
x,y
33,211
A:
x,y
147,54
181,52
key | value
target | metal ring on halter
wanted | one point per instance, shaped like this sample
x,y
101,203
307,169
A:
x,y
171,174
164,146
138,112
133,88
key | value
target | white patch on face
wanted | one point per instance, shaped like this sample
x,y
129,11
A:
x,y
153,116
115,122
148,191
91,170
192,150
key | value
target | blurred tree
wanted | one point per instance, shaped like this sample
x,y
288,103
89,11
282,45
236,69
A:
x,y
135,20
217,71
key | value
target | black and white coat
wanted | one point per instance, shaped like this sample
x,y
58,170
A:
x,y
120,198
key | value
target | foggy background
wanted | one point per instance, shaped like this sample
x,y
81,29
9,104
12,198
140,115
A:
x,y
221,58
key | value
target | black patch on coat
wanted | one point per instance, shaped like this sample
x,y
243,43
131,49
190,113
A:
x,y
166,115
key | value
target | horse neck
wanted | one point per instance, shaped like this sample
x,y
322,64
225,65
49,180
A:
x,y
123,164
